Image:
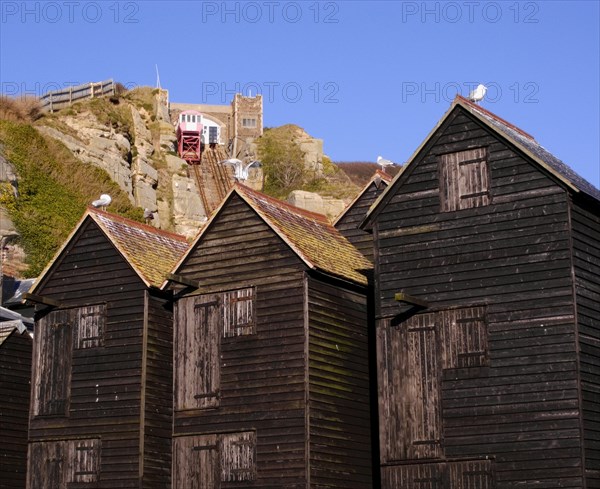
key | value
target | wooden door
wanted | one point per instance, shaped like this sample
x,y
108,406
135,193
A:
x,y
196,462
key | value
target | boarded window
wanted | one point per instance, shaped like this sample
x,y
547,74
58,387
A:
x,y
471,474
464,180
465,337
238,456
413,356
52,364
466,474
65,463
84,460
195,462
412,381
45,465
89,326
238,312
197,362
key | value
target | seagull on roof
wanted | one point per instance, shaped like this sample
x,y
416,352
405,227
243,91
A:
x,y
240,169
478,94
383,163
102,202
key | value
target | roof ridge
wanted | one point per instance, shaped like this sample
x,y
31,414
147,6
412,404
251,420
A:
x,y
131,222
494,116
384,175
281,203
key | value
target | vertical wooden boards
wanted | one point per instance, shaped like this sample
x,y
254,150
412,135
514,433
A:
x,y
471,474
196,462
197,340
52,365
15,393
464,181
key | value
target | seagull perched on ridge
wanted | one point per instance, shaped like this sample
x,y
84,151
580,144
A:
x,y
102,202
478,94
383,163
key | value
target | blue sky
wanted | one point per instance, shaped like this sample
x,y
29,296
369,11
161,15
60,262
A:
x,y
369,78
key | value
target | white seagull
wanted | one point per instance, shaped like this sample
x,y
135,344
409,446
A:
x,y
102,202
383,163
478,94
241,170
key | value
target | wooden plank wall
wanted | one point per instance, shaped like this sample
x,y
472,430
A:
x,y
586,260
348,224
514,256
339,413
105,385
15,378
158,394
262,375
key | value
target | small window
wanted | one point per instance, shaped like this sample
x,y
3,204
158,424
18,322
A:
x,y
464,181
90,323
248,122
238,456
86,460
238,314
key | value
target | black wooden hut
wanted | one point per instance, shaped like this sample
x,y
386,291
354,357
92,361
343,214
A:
x,y
15,376
348,222
270,370
487,266
101,408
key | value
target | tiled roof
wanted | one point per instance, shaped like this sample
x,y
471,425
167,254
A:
x,y
310,235
527,141
380,176
151,252
512,133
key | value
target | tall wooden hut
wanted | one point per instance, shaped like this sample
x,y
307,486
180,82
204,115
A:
x,y
348,222
487,266
271,376
15,376
101,409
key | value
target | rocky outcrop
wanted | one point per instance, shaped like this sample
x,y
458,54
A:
x,y
316,203
96,144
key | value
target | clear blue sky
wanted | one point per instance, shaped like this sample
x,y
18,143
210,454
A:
x,y
370,78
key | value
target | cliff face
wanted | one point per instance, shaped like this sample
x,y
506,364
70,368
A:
x,y
129,142
135,143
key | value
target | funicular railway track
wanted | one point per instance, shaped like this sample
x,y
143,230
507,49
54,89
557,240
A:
x,y
213,179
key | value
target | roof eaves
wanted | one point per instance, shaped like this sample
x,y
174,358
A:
x,y
385,179
57,255
199,236
120,249
374,209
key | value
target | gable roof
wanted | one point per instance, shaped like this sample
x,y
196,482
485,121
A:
x,y
310,235
380,176
7,328
151,252
516,136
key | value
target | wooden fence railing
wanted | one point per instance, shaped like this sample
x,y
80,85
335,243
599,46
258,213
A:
x,y
59,99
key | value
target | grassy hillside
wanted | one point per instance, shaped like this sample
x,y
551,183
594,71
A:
x,y
54,188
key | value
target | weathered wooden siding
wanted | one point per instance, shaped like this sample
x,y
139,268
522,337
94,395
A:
x,y
262,375
158,393
349,222
15,389
514,256
105,384
586,261
339,415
